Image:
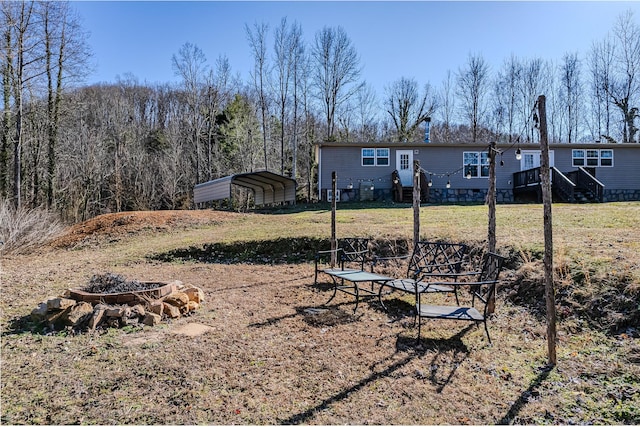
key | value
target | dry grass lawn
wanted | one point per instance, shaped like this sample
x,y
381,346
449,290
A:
x,y
265,358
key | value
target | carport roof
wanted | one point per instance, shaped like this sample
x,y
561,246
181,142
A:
x,y
267,187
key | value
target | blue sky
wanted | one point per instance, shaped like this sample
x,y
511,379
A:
x,y
416,39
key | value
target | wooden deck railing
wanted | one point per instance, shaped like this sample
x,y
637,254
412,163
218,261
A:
x,y
585,180
526,178
562,185
565,185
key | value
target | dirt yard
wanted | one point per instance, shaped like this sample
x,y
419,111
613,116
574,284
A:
x,y
257,351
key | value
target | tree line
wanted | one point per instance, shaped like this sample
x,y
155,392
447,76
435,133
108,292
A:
x,y
83,150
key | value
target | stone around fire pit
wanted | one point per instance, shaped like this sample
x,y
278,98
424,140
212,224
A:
x,y
82,309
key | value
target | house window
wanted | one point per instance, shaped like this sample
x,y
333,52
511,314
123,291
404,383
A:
x,y
382,157
475,164
368,157
592,158
577,157
375,157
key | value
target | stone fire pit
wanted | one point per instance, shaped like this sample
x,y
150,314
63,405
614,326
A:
x,y
111,301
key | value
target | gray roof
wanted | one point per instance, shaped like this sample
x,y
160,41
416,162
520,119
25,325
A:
x,y
267,187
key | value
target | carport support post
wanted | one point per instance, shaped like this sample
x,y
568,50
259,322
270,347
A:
x,y
416,202
545,172
334,187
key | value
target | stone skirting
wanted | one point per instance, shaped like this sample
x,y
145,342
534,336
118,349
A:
x,y
451,195
621,195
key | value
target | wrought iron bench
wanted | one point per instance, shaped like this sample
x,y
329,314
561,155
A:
x,y
350,251
429,260
482,287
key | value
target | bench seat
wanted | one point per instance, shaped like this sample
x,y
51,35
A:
x,y
449,312
428,262
482,289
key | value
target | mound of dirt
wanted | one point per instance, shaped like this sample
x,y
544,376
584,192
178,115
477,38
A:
x,y
114,226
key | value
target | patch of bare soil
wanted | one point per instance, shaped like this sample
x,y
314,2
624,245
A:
x,y
115,226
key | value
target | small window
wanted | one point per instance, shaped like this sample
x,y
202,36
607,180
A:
x,y
375,157
368,157
475,164
606,158
592,157
484,164
577,157
470,164
382,157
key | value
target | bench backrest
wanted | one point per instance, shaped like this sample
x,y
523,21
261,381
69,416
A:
x,y
488,277
436,257
354,250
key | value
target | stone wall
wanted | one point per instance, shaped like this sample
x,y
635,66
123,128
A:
x,y
449,195
621,195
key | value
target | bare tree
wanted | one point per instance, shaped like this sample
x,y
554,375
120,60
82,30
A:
x,y
624,88
408,107
366,110
447,102
336,71
258,43
66,55
601,72
219,87
507,96
288,50
190,65
571,92
28,57
532,76
299,60
6,54
310,132
473,85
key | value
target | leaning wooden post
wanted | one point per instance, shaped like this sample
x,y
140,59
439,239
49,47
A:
x,y
416,202
491,198
334,187
491,201
545,172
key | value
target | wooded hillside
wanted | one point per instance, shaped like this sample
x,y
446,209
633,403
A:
x,y
126,145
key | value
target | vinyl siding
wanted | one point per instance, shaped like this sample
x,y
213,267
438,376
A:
x,y
447,159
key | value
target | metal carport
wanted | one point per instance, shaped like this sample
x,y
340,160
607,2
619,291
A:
x,y
267,187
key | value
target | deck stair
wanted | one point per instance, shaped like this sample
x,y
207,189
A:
x,y
407,194
577,186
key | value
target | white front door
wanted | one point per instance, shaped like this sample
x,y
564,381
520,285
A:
x,y
404,166
531,159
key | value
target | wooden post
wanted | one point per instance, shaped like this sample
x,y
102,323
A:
x,y
334,187
545,172
491,201
416,202
491,198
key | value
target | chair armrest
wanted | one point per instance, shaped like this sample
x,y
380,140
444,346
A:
x,y
488,282
328,251
466,273
319,254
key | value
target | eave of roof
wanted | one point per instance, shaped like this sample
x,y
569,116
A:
x,y
525,145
